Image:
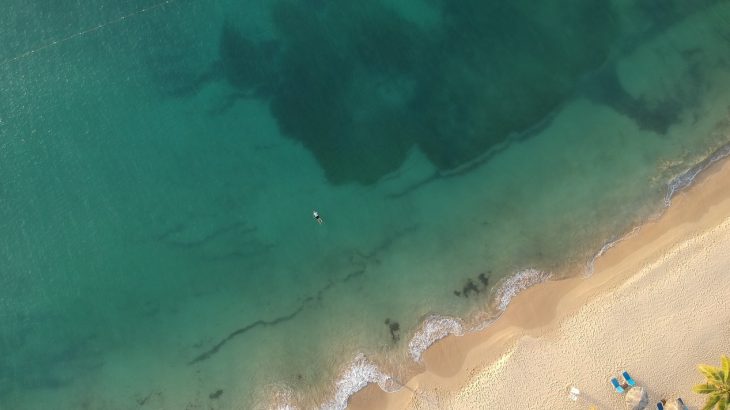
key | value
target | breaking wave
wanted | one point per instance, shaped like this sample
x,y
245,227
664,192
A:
x,y
433,328
361,371
355,377
514,284
686,178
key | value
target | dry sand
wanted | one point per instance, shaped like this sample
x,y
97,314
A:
x,y
656,306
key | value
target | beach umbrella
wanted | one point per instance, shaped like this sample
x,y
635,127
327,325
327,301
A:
x,y
637,398
674,404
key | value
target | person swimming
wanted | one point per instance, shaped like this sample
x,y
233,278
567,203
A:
x,y
317,218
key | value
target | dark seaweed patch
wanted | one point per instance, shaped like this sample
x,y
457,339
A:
x,y
394,329
471,287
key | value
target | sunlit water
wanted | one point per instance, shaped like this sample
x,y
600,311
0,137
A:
x,y
158,174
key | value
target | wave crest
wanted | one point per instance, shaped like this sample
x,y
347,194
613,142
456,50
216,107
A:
x,y
686,178
356,376
433,328
517,283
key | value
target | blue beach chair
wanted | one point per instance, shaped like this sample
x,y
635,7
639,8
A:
x,y
617,386
660,406
628,379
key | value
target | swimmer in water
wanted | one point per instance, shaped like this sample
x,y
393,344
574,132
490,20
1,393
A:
x,y
317,218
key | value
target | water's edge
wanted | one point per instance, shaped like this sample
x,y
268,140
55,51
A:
x,y
361,371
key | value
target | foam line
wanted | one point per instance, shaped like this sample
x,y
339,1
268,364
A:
x,y
356,376
685,179
433,328
516,283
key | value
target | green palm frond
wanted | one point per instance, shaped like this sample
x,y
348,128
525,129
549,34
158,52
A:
x,y
711,401
712,373
717,385
704,388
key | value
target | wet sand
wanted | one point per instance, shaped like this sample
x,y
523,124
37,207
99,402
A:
x,y
653,306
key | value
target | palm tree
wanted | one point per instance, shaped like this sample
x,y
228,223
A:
x,y
717,386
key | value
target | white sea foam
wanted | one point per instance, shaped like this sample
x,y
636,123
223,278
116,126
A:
x,y
436,327
592,263
608,245
361,371
358,374
686,178
433,328
675,185
516,283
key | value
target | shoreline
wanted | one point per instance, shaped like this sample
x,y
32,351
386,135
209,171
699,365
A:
x,y
450,363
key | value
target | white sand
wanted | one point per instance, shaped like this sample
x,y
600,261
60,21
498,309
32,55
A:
x,y
672,315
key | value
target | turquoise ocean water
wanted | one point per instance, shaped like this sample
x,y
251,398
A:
x,y
159,163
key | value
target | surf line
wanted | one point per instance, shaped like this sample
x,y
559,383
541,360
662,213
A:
x,y
85,32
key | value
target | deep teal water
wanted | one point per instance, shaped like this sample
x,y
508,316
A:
x,y
158,173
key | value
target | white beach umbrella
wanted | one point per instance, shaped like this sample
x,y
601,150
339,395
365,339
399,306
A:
x,y
674,404
637,399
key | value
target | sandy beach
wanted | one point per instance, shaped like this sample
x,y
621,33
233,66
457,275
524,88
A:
x,y
656,306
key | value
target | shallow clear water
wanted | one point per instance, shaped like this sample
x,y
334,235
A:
x,y
158,173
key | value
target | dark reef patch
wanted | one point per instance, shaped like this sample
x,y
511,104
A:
x,y
359,84
358,260
657,114
657,117
141,401
245,63
54,367
233,240
264,323
665,12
